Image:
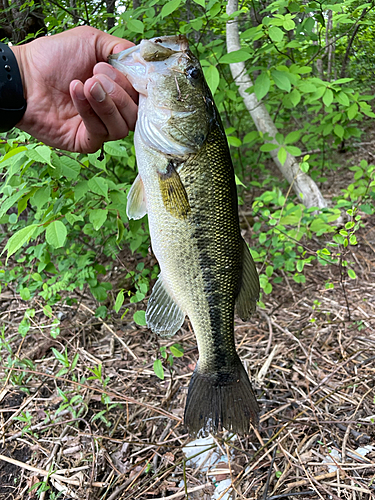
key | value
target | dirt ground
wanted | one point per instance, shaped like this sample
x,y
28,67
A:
x,y
310,355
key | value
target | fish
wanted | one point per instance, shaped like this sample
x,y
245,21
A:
x,y
186,185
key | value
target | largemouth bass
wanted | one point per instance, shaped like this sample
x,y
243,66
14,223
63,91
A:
x,y
186,185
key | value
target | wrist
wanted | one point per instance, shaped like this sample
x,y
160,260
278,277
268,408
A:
x,y
12,100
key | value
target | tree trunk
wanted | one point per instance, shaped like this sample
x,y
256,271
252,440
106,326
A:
x,y
350,43
305,188
111,10
19,22
73,10
329,45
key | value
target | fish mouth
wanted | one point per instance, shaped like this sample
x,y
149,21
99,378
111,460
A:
x,y
140,61
177,43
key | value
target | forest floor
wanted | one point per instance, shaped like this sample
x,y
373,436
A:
x,y
311,357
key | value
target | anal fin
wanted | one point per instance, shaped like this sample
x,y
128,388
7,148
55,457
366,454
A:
x,y
163,315
136,207
249,291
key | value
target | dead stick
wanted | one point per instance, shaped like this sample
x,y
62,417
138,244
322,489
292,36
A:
x,y
43,472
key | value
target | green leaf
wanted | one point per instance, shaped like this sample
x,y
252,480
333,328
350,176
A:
x,y
269,271
9,202
18,239
120,230
250,137
99,293
114,148
343,98
70,168
41,154
302,70
170,7
24,327
136,26
318,93
268,146
276,34
262,237
300,265
56,234
47,311
10,154
328,97
234,141
158,369
351,274
292,137
200,2
282,155
72,218
295,97
293,150
289,24
119,301
80,189
339,130
140,318
238,181
98,217
40,197
177,350
235,57
262,85
307,87
309,24
25,294
212,77
99,186
352,111
281,80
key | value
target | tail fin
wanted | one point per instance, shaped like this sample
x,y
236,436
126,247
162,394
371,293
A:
x,y
217,400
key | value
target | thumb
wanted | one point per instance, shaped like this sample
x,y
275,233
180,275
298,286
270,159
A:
x,y
108,44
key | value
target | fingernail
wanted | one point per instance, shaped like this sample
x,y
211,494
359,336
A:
x,y
97,92
106,83
107,70
78,90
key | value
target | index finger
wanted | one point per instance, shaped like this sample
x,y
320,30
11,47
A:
x,y
117,77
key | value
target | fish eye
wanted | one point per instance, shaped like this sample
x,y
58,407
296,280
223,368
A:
x,y
193,73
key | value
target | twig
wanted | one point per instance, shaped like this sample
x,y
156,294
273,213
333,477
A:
x,y
43,472
263,371
113,332
265,494
102,391
182,493
295,494
51,459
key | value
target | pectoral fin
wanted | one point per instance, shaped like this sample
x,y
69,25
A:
x,y
173,192
249,292
163,315
136,207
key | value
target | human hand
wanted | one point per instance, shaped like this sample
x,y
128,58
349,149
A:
x,y
75,101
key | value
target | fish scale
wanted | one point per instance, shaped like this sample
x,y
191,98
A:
x,y
186,184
